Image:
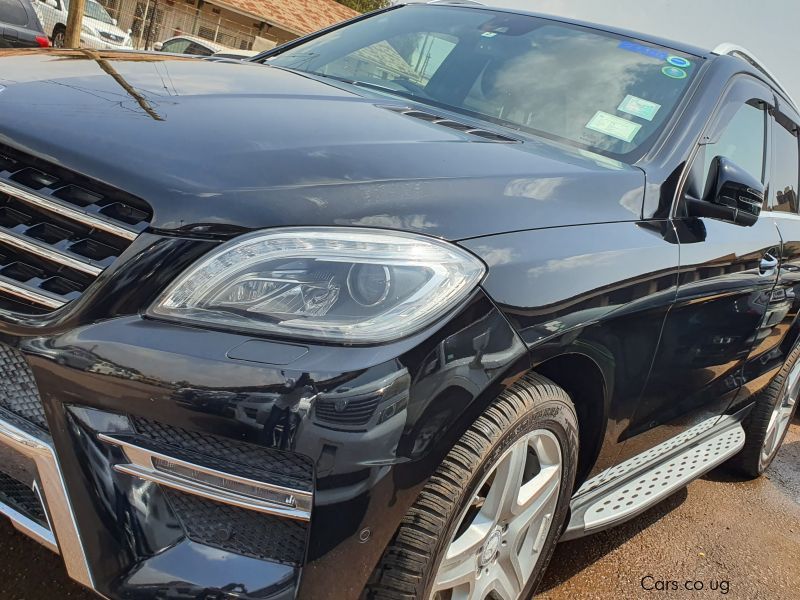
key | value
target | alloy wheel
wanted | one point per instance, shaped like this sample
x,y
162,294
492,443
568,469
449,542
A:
x,y
497,545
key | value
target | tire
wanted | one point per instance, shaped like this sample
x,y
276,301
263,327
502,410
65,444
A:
x,y
534,419
59,35
761,441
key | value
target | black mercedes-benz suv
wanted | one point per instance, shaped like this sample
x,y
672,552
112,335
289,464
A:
x,y
389,310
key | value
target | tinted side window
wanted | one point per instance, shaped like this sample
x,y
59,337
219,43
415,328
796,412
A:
x,y
176,46
742,141
12,12
786,168
198,50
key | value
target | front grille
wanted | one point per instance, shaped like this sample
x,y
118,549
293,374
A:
x,y
21,498
18,392
58,232
273,466
240,531
343,411
110,36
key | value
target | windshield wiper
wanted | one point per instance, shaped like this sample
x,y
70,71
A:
x,y
354,82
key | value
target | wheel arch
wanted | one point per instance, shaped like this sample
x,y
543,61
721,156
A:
x,y
582,378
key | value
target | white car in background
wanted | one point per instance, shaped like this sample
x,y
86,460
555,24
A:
x,y
187,44
99,29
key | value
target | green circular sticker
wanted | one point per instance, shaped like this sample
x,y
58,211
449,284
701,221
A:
x,y
674,72
678,61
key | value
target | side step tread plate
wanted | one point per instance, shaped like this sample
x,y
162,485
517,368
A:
x,y
634,495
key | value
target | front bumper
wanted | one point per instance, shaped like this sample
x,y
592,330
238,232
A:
x,y
140,416
99,43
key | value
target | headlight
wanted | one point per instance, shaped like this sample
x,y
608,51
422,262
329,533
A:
x,y
338,284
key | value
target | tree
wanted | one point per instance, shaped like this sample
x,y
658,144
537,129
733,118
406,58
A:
x,y
365,5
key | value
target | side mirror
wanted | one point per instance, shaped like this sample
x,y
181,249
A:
x,y
114,22
731,194
157,46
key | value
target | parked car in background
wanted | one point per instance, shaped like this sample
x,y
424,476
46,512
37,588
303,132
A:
x,y
99,29
186,44
20,26
390,310
234,54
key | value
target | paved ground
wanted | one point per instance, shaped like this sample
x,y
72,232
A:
x,y
735,539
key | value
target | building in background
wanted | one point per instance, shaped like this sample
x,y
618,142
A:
x,y
242,24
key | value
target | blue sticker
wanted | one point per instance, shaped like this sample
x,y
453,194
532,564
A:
x,y
642,49
678,61
674,72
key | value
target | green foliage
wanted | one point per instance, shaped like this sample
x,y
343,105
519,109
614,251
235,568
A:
x,y
365,5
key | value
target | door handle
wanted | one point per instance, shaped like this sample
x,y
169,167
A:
x,y
768,264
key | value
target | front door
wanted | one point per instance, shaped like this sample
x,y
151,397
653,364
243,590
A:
x,y
727,274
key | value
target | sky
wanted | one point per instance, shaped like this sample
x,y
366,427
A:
x,y
768,28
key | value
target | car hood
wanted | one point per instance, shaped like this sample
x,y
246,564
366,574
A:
x,y
222,146
99,25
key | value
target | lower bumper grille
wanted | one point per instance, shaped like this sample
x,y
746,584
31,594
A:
x,y
283,468
240,531
18,392
21,498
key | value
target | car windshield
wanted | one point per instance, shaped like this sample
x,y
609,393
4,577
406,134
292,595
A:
x,y
95,10
589,88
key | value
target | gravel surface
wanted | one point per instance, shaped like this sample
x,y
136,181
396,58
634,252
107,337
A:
x,y
721,537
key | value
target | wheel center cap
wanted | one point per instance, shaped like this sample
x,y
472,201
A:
x,y
491,547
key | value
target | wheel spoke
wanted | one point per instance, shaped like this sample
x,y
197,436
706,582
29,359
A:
x,y
458,575
528,530
503,581
503,495
468,544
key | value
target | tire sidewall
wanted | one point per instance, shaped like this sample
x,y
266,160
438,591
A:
x,y
556,417
764,465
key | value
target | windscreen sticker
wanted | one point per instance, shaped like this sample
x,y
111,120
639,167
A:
x,y
616,127
678,61
639,107
674,72
642,49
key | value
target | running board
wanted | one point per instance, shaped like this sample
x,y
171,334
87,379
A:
x,y
633,494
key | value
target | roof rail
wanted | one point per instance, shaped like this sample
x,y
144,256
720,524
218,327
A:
x,y
728,49
457,2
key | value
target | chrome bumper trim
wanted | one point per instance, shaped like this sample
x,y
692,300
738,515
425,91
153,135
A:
x,y
30,528
18,435
144,465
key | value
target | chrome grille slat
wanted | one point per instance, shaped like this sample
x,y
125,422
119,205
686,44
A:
x,y
25,292
59,230
48,252
65,210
